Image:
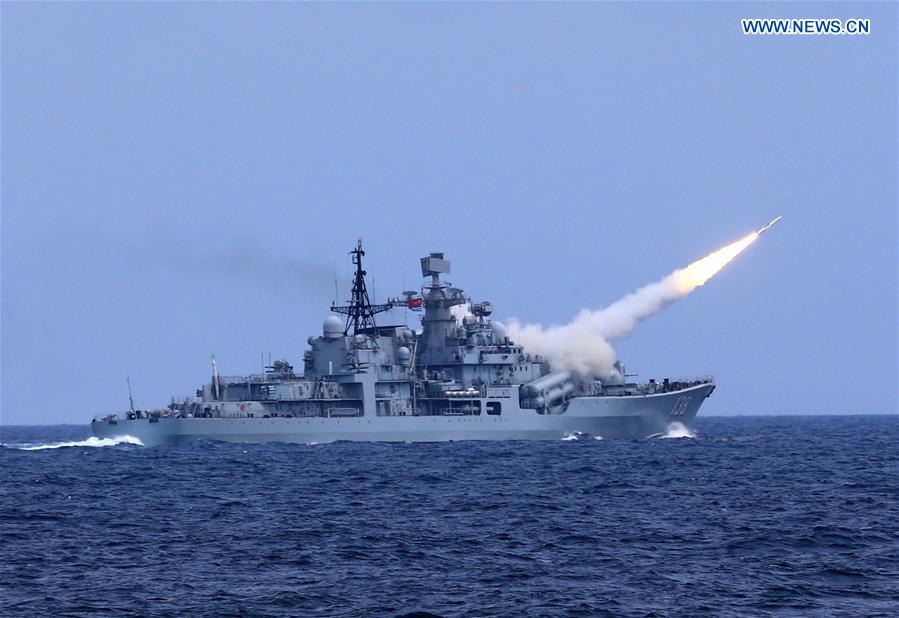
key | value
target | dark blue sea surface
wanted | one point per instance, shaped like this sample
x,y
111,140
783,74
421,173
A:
x,y
754,516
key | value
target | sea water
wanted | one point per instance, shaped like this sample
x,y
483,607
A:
x,y
742,516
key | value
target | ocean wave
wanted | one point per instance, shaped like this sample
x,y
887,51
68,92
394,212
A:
x,y
678,430
93,441
799,518
578,435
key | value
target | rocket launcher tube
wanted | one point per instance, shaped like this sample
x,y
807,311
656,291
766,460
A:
x,y
542,385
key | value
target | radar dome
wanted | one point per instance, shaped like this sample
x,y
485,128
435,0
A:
x,y
403,354
332,327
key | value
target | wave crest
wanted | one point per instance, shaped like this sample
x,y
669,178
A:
x,y
678,430
579,435
93,441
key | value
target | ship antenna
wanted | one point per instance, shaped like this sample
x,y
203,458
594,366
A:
x,y
360,313
336,291
405,313
130,397
215,378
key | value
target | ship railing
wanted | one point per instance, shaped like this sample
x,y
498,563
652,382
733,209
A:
x,y
676,384
656,387
258,378
106,417
691,380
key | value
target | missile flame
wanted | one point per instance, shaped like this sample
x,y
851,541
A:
x,y
700,271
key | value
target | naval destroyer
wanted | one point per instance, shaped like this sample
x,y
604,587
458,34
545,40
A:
x,y
456,379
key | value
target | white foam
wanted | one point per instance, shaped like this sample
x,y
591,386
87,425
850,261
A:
x,y
678,430
92,442
577,435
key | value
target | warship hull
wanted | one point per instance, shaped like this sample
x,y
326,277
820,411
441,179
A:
x,y
461,377
637,416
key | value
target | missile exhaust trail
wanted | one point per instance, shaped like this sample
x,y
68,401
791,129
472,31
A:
x,y
583,346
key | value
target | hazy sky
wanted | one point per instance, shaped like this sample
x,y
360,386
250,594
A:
x,y
179,179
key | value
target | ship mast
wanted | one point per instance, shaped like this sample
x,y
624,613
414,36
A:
x,y
360,313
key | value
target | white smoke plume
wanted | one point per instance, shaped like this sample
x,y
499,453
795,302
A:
x,y
583,345
460,311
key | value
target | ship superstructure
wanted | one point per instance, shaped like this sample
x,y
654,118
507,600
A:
x,y
456,379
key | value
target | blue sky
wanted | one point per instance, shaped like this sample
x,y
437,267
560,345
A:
x,y
179,179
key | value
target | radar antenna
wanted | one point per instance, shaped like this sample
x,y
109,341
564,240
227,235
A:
x,y
360,313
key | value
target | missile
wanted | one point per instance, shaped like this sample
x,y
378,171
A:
x,y
765,228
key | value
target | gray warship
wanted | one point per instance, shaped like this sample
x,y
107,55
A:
x,y
456,379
